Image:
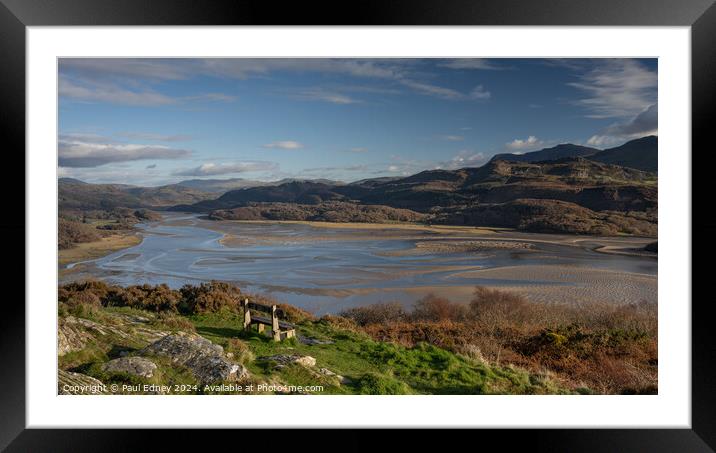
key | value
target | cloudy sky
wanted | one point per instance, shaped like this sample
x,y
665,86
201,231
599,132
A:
x,y
158,121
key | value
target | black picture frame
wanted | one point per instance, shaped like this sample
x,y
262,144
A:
x,y
16,15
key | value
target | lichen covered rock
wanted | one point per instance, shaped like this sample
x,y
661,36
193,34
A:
x,y
137,366
287,359
69,383
206,360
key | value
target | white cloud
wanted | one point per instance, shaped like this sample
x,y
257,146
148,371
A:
x,y
212,169
603,141
617,88
433,90
285,144
121,76
465,158
210,97
155,137
77,153
347,168
453,138
236,68
89,90
479,92
318,94
530,142
470,63
645,123
111,93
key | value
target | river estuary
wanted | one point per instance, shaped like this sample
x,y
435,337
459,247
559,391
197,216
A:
x,y
327,269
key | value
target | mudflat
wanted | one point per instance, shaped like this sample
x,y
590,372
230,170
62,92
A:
x,y
327,267
97,249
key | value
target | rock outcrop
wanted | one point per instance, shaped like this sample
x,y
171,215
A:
x,y
137,366
69,383
73,334
206,360
287,359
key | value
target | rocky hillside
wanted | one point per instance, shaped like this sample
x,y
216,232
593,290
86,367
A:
x,y
324,212
640,154
553,153
75,195
592,198
552,216
154,339
131,351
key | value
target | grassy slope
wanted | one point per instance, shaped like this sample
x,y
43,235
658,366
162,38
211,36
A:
x,y
372,367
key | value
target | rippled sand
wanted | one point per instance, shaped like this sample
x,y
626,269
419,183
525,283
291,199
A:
x,y
571,284
328,267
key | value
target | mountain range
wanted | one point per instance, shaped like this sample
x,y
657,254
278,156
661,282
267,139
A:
x,y
641,154
567,188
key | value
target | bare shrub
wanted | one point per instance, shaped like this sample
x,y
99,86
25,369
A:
x,y
607,348
434,308
376,314
339,322
473,351
294,314
209,297
495,308
84,297
70,233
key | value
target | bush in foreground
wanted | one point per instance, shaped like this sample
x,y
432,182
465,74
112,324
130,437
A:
x,y
595,348
611,349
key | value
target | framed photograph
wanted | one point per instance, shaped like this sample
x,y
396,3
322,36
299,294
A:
x,y
453,216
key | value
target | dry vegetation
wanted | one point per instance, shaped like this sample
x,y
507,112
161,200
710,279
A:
x,y
78,227
606,349
333,211
189,299
590,349
71,233
553,216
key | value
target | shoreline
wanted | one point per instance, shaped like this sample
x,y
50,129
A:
x,y
427,237
373,226
88,251
625,251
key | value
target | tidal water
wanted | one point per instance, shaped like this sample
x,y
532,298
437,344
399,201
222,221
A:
x,y
323,270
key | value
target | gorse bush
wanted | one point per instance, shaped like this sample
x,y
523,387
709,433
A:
x,y
501,327
208,297
592,349
294,314
376,314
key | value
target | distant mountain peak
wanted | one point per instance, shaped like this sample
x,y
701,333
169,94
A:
x,y
70,181
640,154
555,152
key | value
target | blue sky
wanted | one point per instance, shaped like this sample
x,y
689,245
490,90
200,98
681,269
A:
x,y
158,121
